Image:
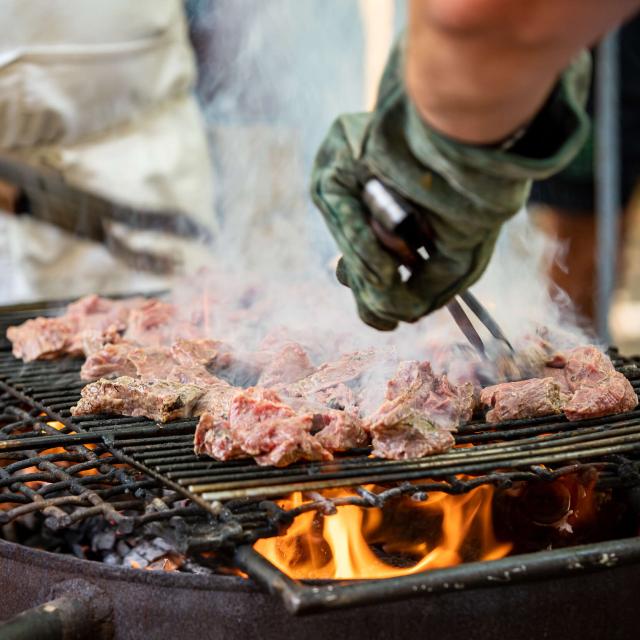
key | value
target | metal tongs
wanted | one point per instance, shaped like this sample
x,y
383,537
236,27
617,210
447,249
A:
x,y
404,234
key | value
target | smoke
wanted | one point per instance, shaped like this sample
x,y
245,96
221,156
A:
x,y
274,76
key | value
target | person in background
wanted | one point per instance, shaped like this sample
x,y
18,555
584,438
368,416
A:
x,y
479,99
563,205
96,98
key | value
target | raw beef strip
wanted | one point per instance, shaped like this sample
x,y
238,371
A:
x,y
419,411
289,364
525,399
158,400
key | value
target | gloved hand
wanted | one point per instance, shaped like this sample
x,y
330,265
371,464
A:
x,y
465,192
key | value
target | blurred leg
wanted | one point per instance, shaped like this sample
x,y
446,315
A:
x,y
574,269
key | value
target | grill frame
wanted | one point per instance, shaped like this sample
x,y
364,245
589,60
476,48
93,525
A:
x,y
231,521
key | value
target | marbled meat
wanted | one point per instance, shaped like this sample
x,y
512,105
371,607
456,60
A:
x,y
82,325
582,383
156,399
525,399
262,426
419,413
288,364
186,361
598,389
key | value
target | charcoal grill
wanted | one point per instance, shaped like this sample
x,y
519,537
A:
x,y
138,474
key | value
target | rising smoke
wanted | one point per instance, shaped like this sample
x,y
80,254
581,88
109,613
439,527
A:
x,y
273,77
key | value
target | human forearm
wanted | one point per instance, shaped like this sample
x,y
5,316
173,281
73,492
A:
x,y
477,70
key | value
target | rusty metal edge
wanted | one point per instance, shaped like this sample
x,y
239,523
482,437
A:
x,y
302,599
88,569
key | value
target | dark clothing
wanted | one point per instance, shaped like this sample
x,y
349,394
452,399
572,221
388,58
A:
x,y
573,188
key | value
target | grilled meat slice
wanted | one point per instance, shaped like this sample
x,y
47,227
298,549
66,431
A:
x,y
289,364
419,412
587,366
150,325
415,389
44,339
616,395
214,438
415,438
581,382
151,363
339,430
82,324
525,399
262,426
203,352
271,431
216,399
597,388
158,400
185,362
110,361
157,323
344,370
127,359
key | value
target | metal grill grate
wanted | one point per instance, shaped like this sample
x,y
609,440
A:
x,y
134,472
512,450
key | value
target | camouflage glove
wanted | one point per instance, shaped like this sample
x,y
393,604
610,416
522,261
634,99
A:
x,y
465,192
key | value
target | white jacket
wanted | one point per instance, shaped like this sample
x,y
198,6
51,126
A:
x,y
101,91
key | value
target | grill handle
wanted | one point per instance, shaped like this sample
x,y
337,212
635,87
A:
x,y
80,611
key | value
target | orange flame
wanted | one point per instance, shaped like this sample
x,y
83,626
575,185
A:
x,y
441,532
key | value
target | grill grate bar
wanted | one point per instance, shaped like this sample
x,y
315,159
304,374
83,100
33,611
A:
x,y
162,454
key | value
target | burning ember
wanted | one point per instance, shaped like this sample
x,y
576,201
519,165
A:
x,y
409,537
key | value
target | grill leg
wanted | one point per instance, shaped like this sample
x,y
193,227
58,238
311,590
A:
x,y
81,612
607,177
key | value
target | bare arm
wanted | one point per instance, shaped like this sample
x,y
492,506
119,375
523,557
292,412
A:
x,y
477,70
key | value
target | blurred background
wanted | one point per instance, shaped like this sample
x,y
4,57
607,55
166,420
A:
x,y
223,127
